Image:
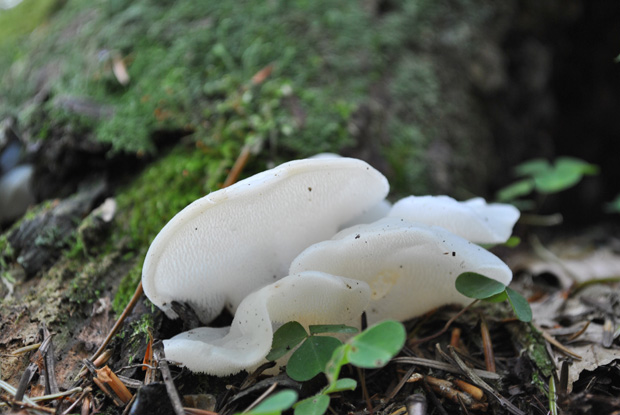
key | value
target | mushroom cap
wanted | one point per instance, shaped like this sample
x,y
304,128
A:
x,y
310,298
233,241
410,268
474,220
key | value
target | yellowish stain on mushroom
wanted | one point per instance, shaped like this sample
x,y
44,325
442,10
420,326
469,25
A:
x,y
383,282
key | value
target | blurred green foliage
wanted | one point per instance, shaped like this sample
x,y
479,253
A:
x,y
539,175
191,66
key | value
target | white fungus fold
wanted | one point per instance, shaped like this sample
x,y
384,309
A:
x,y
268,249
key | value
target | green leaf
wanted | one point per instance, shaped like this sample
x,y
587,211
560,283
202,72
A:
x,y
497,298
520,305
276,403
285,338
338,359
344,384
532,167
515,190
315,405
474,285
311,357
567,172
375,346
332,328
512,242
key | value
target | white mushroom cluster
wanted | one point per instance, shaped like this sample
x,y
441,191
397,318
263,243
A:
x,y
313,241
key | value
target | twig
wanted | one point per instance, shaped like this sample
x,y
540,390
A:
x,y
12,390
580,331
445,328
14,402
175,400
443,366
78,400
400,384
49,372
360,375
237,168
557,344
261,398
481,383
489,356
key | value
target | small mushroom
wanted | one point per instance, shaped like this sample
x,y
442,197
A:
x,y
474,220
238,239
410,268
309,298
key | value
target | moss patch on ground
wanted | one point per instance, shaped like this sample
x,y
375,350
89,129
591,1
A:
x,y
195,67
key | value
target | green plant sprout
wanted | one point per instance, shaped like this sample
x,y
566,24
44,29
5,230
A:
x,y
275,404
477,286
373,348
541,176
315,351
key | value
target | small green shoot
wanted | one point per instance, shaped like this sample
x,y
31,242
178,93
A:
x,y
285,338
541,176
477,286
315,351
373,348
275,404
314,405
311,357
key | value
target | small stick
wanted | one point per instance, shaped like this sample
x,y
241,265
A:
x,y
360,374
474,391
481,383
435,364
400,384
489,356
261,397
14,402
557,344
580,332
455,338
237,168
175,400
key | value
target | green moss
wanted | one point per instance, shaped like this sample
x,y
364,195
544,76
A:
x,y
24,18
126,289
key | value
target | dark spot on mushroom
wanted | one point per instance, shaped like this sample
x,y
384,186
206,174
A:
x,y
348,286
309,189
453,253
400,266
357,236
195,229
